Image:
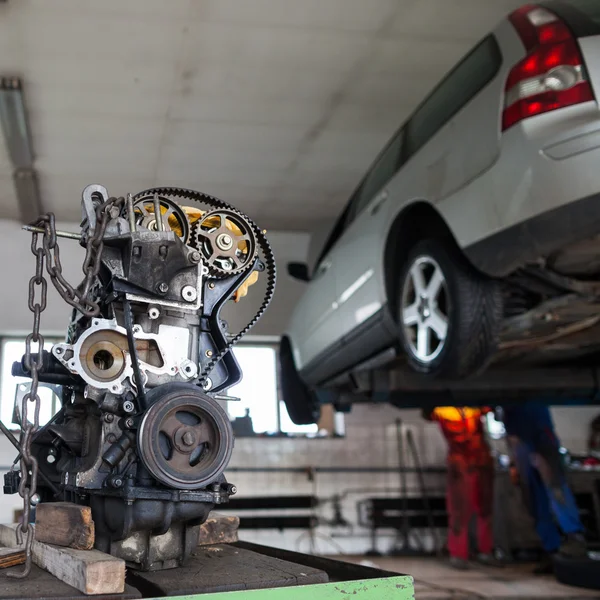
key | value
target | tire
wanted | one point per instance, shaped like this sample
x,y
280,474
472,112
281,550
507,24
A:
x,y
299,400
580,572
451,329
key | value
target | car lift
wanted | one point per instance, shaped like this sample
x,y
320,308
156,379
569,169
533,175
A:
x,y
501,384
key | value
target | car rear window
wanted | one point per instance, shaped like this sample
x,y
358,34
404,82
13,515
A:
x,y
582,16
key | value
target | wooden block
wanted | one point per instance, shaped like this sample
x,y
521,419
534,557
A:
x,y
89,571
41,585
64,524
219,529
9,557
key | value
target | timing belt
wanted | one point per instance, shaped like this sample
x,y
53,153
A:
x,y
263,243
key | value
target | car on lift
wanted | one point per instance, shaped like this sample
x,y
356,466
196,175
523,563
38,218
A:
x,y
476,232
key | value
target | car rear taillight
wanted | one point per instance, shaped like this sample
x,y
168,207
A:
x,y
551,76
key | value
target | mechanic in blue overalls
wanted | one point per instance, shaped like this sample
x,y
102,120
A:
x,y
541,474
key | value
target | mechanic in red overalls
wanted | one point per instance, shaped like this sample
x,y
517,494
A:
x,y
470,482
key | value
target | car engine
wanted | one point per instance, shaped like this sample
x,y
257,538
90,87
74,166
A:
x,y
141,435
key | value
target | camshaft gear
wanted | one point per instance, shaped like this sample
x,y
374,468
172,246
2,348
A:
x,y
172,217
226,240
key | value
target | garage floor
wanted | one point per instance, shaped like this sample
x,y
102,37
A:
x,y
435,580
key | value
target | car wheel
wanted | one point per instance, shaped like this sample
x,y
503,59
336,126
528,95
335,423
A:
x,y
449,315
299,400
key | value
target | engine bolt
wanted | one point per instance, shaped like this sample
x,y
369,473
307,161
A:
x,y
188,438
232,490
154,312
129,423
109,417
224,241
195,256
128,406
209,353
116,482
111,438
189,293
211,285
162,288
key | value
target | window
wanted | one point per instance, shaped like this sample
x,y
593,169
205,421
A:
x,y
335,234
382,171
12,351
259,392
475,71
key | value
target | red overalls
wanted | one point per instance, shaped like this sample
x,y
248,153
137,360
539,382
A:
x,y
470,478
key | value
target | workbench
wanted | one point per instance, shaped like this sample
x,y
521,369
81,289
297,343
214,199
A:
x,y
240,571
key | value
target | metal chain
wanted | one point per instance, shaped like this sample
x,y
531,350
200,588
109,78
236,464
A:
x,y
79,298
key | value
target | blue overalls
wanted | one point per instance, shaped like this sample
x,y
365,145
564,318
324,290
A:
x,y
531,435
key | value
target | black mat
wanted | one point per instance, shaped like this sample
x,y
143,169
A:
x,y
224,568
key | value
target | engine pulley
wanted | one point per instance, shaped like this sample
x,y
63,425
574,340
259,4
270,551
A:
x,y
185,438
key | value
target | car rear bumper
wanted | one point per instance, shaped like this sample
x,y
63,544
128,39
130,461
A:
x,y
542,194
539,236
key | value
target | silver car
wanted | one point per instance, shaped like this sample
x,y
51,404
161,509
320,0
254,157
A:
x,y
475,233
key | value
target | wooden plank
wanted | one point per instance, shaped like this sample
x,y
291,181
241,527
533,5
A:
x,y
41,585
9,557
89,571
219,529
64,524
223,568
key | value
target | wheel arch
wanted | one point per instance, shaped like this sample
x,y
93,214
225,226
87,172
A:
x,y
418,221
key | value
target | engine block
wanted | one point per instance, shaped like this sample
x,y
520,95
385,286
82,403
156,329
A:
x,y
141,436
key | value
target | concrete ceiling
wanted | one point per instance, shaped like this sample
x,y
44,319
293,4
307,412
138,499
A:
x,y
277,106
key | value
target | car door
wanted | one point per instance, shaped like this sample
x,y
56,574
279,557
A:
x,y
360,290
314,325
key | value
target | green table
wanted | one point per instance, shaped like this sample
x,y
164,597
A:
x,y
253,574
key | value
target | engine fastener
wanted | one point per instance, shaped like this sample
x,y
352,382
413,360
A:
x,y
188,438
224,241
162,288
189,293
